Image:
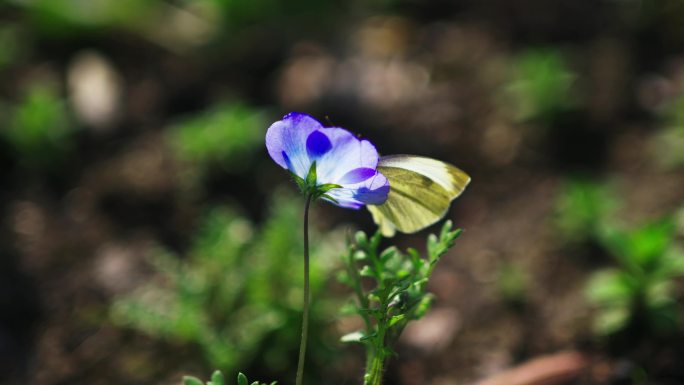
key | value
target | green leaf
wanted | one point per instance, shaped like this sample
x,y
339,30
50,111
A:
x,y
611,320
650,242
241,379
387,254
217,378
190,380
640,249
255,383
432,245
311,176
422,307
349,308
301,183
397,318
366,271
610,287
324,188
361,238
360,255
660,292
672,264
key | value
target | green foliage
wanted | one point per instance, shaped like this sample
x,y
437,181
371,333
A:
x,y
218,379
62,15
233,289
397,296
583,209
641,288
541,85
227,136
39,128
238,14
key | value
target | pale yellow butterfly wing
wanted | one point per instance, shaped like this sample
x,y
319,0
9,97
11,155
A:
x,y
421,190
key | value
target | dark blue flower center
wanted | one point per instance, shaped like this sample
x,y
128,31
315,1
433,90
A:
x,y
317,144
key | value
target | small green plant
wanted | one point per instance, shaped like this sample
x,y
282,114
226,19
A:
x,y
397,296
333,164
217,378
39,128
583,208
226,136
541,85
640,290
236,286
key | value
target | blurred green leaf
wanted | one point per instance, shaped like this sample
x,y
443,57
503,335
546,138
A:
x,y
611,320
235,287
39,129
610,287
241,379
541,85
66,16
649,261
217,378
642,247
651,241
226,136
584,209
189,380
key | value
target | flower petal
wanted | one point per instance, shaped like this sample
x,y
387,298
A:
x,y
348,153
357,175
344,198
286,142
371,191
298,140
317,145
375,193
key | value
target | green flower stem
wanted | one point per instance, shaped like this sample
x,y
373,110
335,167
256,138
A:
x,y
377,352
374,373
305,315
376,367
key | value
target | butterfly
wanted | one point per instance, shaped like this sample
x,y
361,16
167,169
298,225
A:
x,y
421,190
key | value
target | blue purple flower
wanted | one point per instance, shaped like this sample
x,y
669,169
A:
x,y
329,162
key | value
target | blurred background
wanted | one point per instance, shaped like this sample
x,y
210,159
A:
x,y
145,233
